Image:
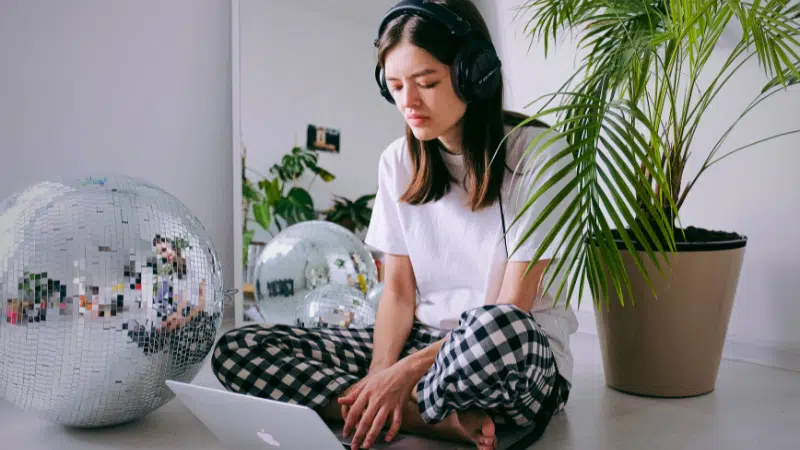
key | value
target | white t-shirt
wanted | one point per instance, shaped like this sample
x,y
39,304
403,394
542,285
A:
x,y
458,255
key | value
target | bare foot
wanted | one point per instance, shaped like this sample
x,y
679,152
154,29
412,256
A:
x,y
473,426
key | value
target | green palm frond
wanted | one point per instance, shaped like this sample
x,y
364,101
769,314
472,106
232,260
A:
x,y
628,117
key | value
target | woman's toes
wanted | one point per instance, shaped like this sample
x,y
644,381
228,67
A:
x,y
487,428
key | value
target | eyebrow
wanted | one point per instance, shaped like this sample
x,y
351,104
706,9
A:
x,y
422,72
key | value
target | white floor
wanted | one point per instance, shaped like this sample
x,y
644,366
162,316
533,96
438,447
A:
x,y
753,406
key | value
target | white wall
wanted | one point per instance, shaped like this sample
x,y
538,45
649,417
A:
x,y
753,193
141,88
314,69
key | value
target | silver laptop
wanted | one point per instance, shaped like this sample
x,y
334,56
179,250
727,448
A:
x,y
244,422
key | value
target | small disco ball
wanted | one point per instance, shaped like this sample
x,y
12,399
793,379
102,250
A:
x,y
295,266
337,305
108,288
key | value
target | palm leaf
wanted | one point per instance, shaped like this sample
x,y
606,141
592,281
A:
x,y
584,181
629,120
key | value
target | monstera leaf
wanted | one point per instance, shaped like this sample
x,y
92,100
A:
x,y
250,193
295,163
272,190
262,212
280,197
296,206
324,174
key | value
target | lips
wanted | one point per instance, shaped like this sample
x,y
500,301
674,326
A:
x,y
415,119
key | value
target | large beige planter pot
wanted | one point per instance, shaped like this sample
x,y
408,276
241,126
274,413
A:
x,y
671,346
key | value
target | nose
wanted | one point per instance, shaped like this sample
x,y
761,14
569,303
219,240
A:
x,y
409,97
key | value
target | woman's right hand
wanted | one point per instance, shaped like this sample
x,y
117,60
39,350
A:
x,y
356,388
359,386
381,398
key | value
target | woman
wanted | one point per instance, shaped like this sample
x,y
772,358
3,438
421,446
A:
x,y
462,342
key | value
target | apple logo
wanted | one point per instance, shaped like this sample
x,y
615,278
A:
x,y
266,437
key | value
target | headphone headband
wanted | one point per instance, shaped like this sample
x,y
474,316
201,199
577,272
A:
x,y
475,71
427,9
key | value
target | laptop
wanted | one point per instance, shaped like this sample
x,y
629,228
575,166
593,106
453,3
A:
x,y
245,422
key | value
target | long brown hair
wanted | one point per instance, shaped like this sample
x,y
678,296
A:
x,y
483,122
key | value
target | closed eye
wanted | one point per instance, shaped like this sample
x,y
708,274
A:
x,y
423,86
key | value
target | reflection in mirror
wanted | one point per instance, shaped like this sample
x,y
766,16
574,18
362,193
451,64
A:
x,y
309,123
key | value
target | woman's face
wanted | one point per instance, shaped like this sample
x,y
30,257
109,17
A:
x,y
423,92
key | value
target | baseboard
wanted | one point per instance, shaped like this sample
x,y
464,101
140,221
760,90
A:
x,y
771,354
782,356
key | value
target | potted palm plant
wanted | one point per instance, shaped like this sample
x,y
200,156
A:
x,y
663,292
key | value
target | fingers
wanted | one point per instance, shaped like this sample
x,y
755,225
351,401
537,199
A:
x,y
346,407
368,419
377,426
347,401
397,420
355,413
351,396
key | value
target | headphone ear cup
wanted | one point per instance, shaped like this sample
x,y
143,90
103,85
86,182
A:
x,y
478,72
380,79
457,71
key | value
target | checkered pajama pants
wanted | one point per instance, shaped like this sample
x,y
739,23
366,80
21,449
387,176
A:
x,y
498,359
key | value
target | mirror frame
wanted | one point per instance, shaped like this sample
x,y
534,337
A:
x,y
238,267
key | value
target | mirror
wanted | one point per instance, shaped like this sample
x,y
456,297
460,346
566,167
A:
x,y
309,121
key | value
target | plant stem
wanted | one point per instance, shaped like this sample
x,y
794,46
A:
x,y
752,105
736,150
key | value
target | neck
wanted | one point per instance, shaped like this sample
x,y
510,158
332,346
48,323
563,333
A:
x,y
451,140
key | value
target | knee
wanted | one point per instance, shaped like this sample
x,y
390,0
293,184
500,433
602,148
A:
x,y
505,330
503,319
226,345
233,341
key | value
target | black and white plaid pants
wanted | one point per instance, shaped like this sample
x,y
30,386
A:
x,y
498,359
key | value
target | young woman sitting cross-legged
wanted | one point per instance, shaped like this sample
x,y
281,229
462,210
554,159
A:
x,y
463,343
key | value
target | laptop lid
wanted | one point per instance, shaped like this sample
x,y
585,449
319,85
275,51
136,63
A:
x,y
244,422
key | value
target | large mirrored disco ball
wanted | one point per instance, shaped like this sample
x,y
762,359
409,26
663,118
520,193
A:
x,y
305,268
108,288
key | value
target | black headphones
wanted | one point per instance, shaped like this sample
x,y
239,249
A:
x,y
476,69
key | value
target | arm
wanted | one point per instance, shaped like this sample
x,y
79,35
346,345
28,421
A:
x,y
395,315
518,288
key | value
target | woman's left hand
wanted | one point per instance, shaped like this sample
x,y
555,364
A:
x,y
383,394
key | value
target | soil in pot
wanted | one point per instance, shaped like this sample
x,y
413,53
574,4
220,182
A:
x,y
692,239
